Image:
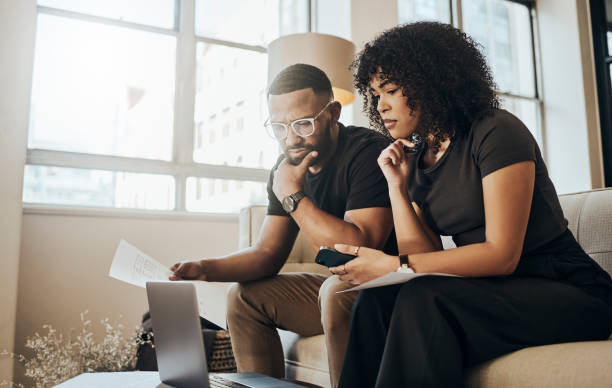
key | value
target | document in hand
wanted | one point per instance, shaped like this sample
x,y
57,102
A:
x,y
392,278
133,266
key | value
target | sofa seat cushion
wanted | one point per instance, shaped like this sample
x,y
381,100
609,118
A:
x,y
576,364
307,351
306,267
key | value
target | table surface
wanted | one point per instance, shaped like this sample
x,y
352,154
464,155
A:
x,y
135,379
115,379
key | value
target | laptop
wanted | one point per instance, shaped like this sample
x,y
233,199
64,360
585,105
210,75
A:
x,y
179,346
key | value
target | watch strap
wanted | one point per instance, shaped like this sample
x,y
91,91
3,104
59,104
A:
x,y
291,201
405,264
298,196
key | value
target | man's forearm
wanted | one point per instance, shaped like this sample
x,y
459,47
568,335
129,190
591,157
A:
x,y
322,228
246,265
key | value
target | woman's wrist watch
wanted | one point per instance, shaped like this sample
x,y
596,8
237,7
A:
x,y
404,264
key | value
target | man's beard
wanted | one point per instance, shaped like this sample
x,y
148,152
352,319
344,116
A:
x,y
295,161
322,148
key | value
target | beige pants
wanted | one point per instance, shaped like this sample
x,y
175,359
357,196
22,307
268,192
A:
x,y
305,303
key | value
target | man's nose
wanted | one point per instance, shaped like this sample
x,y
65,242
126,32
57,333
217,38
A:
x,y
292,138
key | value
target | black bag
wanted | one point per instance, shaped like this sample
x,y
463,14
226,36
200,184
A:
x,y
217,344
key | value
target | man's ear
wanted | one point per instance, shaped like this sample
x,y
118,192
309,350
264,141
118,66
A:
x,y
335,108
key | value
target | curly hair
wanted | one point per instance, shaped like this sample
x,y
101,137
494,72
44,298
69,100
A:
x,y
439,69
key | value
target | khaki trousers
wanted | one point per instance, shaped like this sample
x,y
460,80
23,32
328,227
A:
x,y
304,303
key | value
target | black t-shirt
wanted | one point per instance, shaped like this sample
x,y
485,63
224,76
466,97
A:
x,y
451,198
450,192
351,179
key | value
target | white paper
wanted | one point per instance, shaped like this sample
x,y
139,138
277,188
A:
x,y
212,301
133,266
392,278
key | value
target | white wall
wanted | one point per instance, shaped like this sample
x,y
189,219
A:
x,y
66,255
367,21
571,124
17,20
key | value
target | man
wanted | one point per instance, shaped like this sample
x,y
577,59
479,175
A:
x,y
328,185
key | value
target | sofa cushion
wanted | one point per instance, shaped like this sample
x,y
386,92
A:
x,y
305,358
306,267
577,364
589,216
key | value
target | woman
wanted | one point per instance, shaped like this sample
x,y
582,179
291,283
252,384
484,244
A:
x,y
480,178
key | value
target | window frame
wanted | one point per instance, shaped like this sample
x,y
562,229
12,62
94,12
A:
x,y
182,164
457,21
455,8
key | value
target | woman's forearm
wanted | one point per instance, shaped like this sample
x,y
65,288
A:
x,y
477,260
411,237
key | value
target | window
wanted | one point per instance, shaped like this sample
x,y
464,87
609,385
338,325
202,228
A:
x,y
160,13
133,109
101,89
421,10
504,29
231,197
89,187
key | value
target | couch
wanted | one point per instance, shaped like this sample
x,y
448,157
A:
x,y
578,364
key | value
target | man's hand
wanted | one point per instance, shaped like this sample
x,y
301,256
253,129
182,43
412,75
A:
x,y
188,270
289,179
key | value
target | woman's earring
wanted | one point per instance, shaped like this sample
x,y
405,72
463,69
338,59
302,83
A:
x,y
417,140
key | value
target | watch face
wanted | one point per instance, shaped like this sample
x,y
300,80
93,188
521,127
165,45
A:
x,y
288,204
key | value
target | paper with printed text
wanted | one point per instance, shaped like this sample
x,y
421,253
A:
x,y
133,266
392,278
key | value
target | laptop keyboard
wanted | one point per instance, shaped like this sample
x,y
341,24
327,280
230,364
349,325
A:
x,y
218,381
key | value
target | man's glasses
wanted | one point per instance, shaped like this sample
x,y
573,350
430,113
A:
x,y
301,127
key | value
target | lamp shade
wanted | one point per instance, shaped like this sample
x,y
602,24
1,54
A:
x,y
329,53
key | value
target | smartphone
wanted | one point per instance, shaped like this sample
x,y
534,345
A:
x,y
330,257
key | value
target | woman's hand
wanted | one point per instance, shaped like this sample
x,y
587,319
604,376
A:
x,y
369,264
395,163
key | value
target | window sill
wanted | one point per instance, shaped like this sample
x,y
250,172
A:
x,y
84,211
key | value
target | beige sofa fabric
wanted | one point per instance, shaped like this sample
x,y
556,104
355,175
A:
x,y
579,364
591,223
582,364
251,219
